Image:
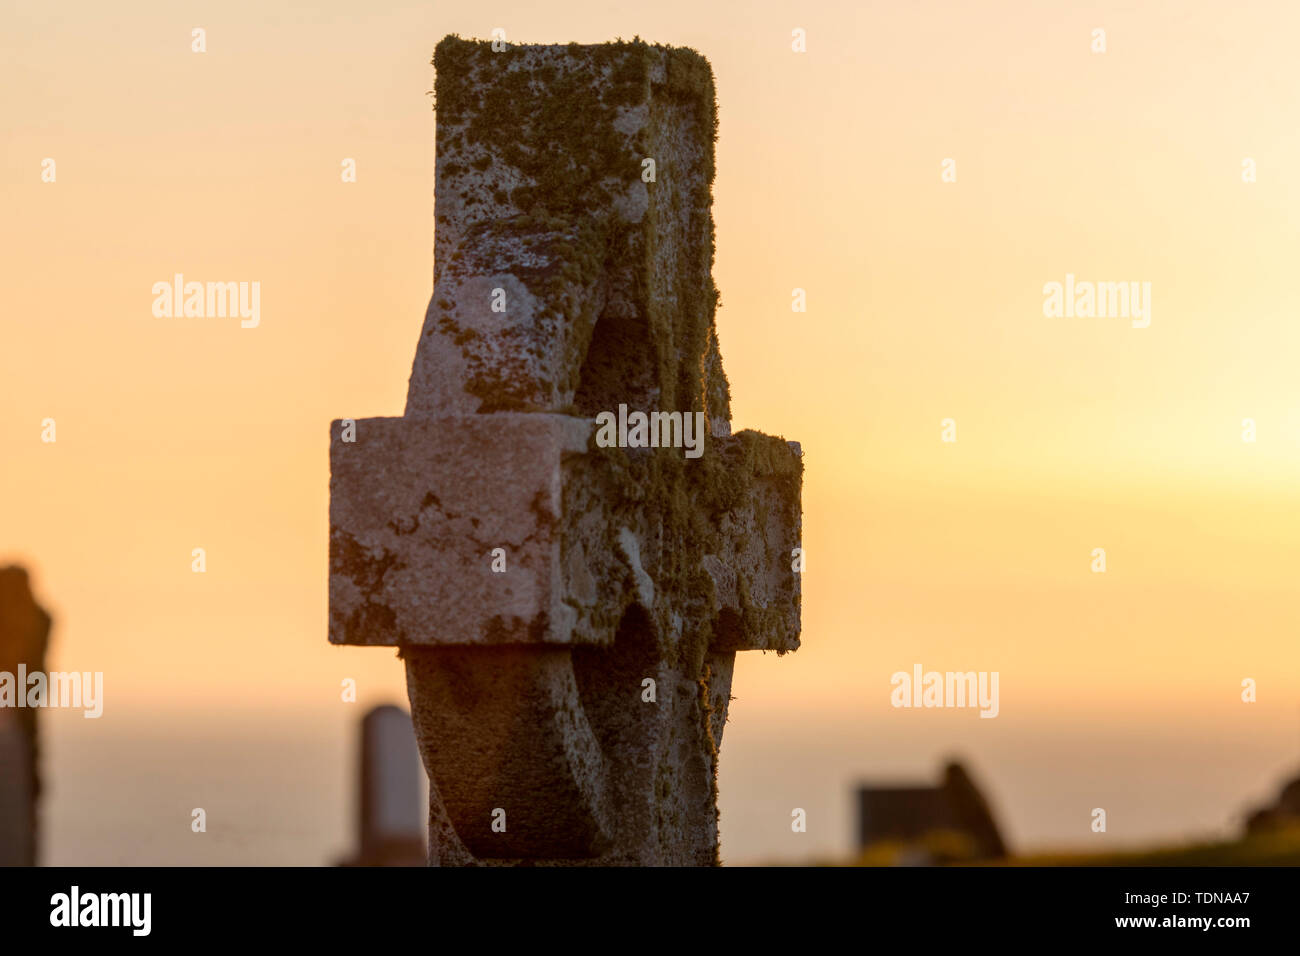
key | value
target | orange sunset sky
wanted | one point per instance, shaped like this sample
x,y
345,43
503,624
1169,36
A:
x,y
1118,690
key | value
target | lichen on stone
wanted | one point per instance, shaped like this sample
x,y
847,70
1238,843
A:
x,y
539,147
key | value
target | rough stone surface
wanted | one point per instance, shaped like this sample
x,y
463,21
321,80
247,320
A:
x,y
417,507
627,568
540,153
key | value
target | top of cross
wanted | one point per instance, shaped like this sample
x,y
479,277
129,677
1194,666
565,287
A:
x,y
574,182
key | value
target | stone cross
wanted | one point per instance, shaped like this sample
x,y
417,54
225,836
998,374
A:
x,y
568,599
24,637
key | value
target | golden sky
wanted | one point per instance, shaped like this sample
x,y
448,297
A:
x,y
924,303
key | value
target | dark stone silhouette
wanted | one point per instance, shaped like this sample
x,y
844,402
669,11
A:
x,y
24,638
390,808
1284,813
909,814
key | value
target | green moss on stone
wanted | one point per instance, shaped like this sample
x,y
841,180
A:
x,y
550,119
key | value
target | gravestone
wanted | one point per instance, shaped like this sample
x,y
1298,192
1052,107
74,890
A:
x,y
568,612
908,815
390,818
1283,814
17,794
24,635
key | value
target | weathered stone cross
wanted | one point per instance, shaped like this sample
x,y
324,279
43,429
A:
x,y
569,613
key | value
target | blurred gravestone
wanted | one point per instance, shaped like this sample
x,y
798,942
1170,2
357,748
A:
x,y
920,818
17,788
391,811
24,635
